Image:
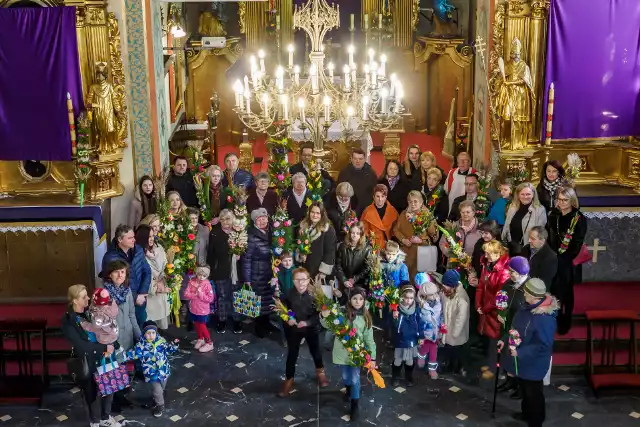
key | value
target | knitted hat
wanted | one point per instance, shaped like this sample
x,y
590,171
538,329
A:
x,y
451,278
101,297
421,279
203,269
407,288
149,325
429,289
535,287
520,265
257,213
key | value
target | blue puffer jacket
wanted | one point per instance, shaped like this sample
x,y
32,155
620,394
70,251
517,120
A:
x,y
241,178
396,270
409,328
536,324
153,356
139,270
256,267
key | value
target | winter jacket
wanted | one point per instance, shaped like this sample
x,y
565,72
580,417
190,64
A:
x,y
558,225
303,306
269,202
490,282
430,313
154,358
128,328
363,181
404,230
336,216
441,208
79,339
256,267
455,309
184,185
498,211
218,256
340,354
515,303
536,216
397,195
396,270
543,264
297,212
536,324
200,295
158,307
102,322
241,178
323,250
380,227
351,263
467,242
139,270
409,329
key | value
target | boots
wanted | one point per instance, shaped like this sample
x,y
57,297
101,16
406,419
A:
x,y
287,386
353,415
510,383
395,373
517,394
408,375
322,378
347,393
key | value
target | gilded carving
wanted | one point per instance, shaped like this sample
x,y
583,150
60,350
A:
x,y
80,15
440,48
242,13
634,169
246,155
391,146
540,9
516,6
535,168
415,14
95,16
209,25
105,109
117,75
494,56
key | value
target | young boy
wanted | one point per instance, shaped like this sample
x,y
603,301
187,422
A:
x,y
152,351
394,267
455,309
498,211
285,273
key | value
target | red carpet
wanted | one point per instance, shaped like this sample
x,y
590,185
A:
x,y
426,143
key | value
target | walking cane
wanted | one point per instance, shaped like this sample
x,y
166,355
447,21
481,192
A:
x,y
495,386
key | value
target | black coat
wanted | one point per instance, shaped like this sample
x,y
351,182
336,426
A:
x,y
567,274
398,196
515,303
79,340
544,196
442,208
336,216
295,211
418,184
412,168
454,215
328,184
270,201
351,263
256,266
219,257
184,185
303,306
323,253
363,182
543,264
241,178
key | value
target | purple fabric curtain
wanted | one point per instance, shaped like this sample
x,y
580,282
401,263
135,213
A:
x,y
593,59
38,65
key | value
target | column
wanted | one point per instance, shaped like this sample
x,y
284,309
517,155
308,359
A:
x,y
537,63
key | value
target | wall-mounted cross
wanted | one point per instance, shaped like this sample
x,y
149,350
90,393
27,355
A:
x,y
596,248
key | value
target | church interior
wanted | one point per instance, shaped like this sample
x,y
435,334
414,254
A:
x,y
105,92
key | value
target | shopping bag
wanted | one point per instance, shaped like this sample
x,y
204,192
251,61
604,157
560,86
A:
x,y
327,290
427,259
111,377
247,302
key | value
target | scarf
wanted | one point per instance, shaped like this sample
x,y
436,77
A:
x,y
393,181
118,293
215,198
551,187
343,206
299,199
148,203
407,311
470,227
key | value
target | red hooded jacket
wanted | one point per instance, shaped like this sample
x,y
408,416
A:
x,y
489,283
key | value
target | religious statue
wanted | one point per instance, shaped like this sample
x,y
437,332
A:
x,y
514,100
210,26
104,105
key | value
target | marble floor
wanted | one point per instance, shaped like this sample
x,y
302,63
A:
x,y
236,386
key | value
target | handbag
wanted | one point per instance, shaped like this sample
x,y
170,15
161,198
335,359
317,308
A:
x,y
583,256
111,377
427,259
247,302
78,368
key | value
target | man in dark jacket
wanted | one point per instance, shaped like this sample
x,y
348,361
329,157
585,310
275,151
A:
x,y
181,180
470,193
536,326
542,259
306,154
362,178
123,247
240,177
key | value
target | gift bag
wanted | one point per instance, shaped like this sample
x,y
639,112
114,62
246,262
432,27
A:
x,y
111,377
427,259
327,290
247,302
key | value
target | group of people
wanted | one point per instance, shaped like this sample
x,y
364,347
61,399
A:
x,y
524,247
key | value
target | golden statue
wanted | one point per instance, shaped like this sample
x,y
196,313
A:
x,y
105,108
210,26
514,100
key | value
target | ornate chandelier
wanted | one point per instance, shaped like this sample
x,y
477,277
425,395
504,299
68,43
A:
x,y
360,99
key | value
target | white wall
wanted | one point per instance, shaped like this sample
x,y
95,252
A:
x,y
120,205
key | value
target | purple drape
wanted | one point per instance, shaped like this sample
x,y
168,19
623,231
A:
x,y
593,59
38,65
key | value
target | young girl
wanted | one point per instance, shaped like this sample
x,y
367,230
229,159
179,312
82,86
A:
x,y
305,325
430,312
200,295
102,327
152,351
360,319
455,309
409,329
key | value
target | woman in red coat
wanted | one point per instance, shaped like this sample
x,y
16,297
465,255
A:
x,y
495,271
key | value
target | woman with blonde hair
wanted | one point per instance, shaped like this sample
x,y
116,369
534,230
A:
x,y
427,161
435,198
176,205
341,203
524,213
403,231
495,272
411,162
567,230
152,221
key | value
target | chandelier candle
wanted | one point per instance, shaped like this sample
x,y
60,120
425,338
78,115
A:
x,y
327,108
347,83
290,49
331,67
351,52
261,56
383,62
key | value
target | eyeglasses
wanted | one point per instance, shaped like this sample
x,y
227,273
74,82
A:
x,y
562,200
301,280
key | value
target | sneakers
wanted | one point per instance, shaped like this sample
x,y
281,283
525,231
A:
x,y
207,347
94,424
158,410
221,327
111,422
433,374
237,328
198,345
